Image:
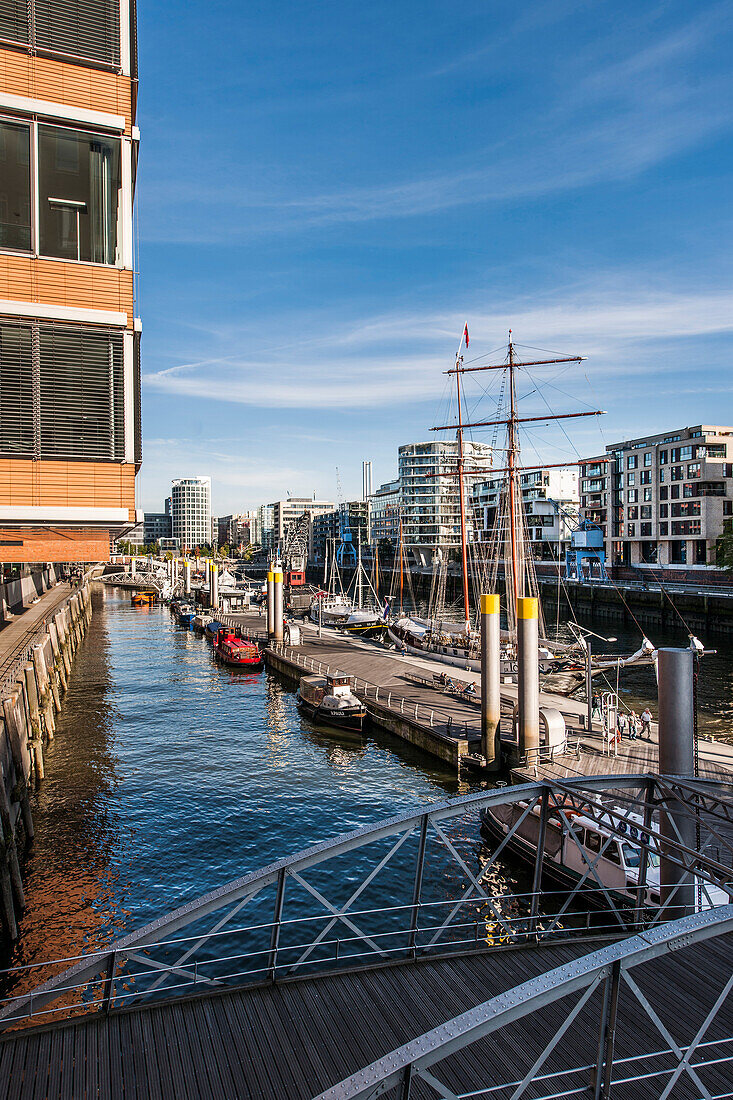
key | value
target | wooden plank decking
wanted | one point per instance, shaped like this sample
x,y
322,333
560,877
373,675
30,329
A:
x,y
292,1040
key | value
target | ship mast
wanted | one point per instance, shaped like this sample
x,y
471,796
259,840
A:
x,y
516,569
461,497
512,466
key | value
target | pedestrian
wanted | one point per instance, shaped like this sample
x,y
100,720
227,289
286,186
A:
x,y
595,706
633,726
621,725
646,724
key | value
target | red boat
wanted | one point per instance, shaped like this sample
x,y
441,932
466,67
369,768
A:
x,y
238,652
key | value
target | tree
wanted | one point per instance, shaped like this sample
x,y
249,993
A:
x,y
724,546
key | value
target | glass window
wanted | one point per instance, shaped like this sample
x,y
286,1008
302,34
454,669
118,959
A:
x,y
663,493
663,528
662,457
79,183
16,391
632,462
612,852
15,186
675,492
647,493
631,479
663,509
632,496
592,841
648,458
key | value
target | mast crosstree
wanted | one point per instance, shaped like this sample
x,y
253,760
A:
x,y
511,533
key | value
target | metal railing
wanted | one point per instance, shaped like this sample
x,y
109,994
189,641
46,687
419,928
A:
x,y
584,1055
420,883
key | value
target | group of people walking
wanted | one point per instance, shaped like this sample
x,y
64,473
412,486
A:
x,y
631,724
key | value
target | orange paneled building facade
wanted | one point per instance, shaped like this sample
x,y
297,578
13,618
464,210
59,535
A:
x,y
70,430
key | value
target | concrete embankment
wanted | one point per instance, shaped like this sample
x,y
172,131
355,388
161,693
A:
x,y
37,659
666,605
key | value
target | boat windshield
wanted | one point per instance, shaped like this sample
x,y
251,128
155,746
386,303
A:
x,y
632,856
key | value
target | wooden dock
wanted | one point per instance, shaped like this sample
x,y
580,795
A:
x,y
294,1039
399,700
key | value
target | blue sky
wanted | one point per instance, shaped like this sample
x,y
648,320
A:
x,y
328,191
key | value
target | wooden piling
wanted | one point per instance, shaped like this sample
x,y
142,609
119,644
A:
x,y
27,720
44,694
12,729
34,712
58,664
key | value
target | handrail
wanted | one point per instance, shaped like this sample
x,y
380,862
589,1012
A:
x,y
417,821
609,965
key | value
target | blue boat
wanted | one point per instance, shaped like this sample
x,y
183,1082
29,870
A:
x,y
212,629
186,614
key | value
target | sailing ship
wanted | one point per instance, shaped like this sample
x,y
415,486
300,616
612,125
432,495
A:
x,y
457,642
350,610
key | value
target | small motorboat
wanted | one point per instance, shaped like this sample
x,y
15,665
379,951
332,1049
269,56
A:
x,y
237,652
212,628
142,599
186,614
330,699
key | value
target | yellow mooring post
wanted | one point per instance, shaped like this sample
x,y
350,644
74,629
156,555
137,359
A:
x,y
270,605
529,674
277,602
491,682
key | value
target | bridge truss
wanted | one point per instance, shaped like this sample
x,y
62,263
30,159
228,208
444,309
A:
x,y
420,884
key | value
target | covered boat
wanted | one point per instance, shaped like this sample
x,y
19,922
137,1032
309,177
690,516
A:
x,y
186,614
212,628
330,699
237,652
200,621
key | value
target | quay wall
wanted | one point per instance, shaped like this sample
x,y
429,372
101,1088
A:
x,y
31,696
622,601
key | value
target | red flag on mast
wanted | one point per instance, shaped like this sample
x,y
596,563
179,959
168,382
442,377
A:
x,y
465,333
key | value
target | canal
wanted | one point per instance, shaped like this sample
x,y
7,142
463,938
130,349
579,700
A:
x,y
171,775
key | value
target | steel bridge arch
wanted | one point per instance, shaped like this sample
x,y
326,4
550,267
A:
x,y
228,901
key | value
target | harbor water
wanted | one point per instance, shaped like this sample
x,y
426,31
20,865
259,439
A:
x,y
171,775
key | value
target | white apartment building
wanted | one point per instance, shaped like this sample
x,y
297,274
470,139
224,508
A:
x,y
384,513
662,500
429,492
551,507
191,511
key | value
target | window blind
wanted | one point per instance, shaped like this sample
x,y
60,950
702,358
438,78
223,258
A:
x,y
16,390
61,392
76,28
81,394
14,21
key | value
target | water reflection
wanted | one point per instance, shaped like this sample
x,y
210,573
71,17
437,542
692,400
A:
x,y
171,775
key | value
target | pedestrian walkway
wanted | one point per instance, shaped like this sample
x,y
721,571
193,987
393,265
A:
x,y
17,636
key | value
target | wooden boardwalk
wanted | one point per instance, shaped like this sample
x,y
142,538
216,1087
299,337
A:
x,y
448,726
292,1040
17,635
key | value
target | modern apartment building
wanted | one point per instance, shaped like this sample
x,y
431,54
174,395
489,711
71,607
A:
x,y
191,511
551,507
384,513
429,493
662,500
263,534
70,431
157,525
285,511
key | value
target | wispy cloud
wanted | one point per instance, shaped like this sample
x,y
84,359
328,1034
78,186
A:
x,y
399,359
